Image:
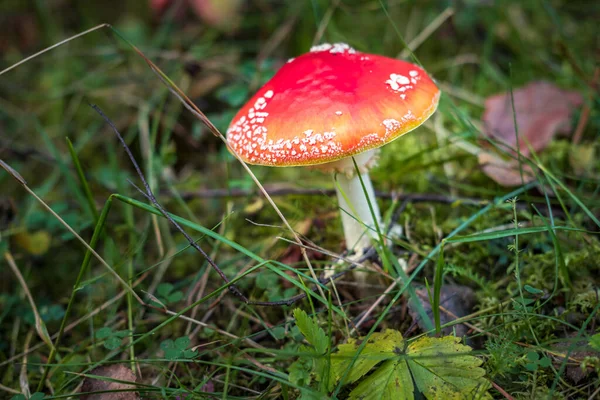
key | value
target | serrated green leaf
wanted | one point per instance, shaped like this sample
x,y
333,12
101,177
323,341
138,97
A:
x,y
299,372
390,381
18,396
311,331
380,346
37,396
440,368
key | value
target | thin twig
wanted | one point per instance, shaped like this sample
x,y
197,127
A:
x,y
502,391
40,327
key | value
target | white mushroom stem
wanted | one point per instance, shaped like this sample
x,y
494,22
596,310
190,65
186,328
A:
x,y
357,219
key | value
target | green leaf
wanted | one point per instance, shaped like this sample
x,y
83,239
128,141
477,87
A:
x,y
438,368
37,396
311,331
18,396
122,333
544,362
104,333
380,347
391,381
167,344
595,342
531,366
532,290
299,372
175,297
172,354
164,289
112,343
190,354
525,301
182,343
442,366
278,332
532,356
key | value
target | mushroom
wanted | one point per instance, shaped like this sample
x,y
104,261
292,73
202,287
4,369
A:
x,y
327,108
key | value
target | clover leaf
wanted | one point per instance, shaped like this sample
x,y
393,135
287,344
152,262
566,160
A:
x,y
177,349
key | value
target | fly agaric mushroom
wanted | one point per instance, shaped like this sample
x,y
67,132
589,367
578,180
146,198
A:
x,y
330,106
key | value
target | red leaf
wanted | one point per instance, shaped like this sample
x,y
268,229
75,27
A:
x,y
542,111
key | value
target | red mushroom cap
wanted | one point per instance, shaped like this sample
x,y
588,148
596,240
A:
x,y
329,104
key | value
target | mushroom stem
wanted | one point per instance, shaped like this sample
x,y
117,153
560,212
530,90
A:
x,y
357,219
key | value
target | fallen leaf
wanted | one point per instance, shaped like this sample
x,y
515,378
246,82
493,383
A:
x,y
542,110
110,372
457,299
503,172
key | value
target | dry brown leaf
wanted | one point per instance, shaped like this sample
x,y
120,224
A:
x,y
542,111
505,173
114,371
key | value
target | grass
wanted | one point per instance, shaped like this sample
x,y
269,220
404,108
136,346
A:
x,y
93,274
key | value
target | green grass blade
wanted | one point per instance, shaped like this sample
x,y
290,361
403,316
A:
x,y
83,180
